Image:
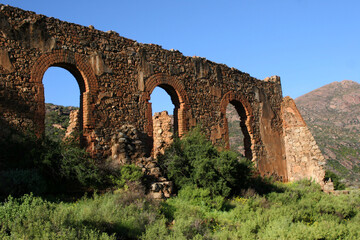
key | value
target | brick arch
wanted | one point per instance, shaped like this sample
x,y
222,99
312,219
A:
x,y
79,67
245,112
178,95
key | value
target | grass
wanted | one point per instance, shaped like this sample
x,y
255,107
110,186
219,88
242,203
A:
x,y
250,208
300,211
107,216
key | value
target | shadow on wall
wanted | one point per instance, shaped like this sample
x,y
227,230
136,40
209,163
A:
x,y
244,140
16,147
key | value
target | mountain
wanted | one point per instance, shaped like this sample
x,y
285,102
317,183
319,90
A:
x,y
332,113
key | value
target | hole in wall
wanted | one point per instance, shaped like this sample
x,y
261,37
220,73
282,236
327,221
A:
x,y
161,101
62,101
239,137
164,118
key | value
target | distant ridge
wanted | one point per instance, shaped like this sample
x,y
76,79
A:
x,y
332,113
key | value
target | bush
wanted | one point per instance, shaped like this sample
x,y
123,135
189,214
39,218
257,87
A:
x,y
47,166
157,230
301,211
126,174
193,160
17,150
38,165
66,165
99,217
335,179
19,181
201,197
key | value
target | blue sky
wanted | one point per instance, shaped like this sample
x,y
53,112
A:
x,y
308,43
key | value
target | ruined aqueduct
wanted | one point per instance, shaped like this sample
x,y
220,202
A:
x,y
116,77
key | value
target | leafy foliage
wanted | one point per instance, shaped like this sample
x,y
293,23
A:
x,y
127,173
200,210
300,211
335,179
99,217
193,160
46,166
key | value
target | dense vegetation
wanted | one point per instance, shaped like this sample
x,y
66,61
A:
x,y
338,185
220,196
300,211
44,166
194,161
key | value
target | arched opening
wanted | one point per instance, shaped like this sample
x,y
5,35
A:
x,y
161,101
175,89
244,111
239,137
79,67
236,137
165,106
63,88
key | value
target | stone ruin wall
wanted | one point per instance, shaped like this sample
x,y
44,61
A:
x,y
116,77
303,156
163,133
74,124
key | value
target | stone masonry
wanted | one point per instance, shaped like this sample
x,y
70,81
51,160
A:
x,y
74,124
303,156
116,76
163,132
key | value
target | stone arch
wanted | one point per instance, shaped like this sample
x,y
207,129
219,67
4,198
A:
x,y
79,67
178,96
244,110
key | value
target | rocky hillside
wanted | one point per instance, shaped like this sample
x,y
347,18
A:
x,y
236,137
332,113
56,120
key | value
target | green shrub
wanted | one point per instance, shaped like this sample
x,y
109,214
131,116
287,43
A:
x,y
28,162
301,211
17,150
193,160
19,181
34,218
126,174
335,179
157,230
201,197
66,165
47,166
99,217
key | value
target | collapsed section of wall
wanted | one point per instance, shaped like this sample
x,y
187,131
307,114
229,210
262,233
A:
x,y
303,156
74,124
163,132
